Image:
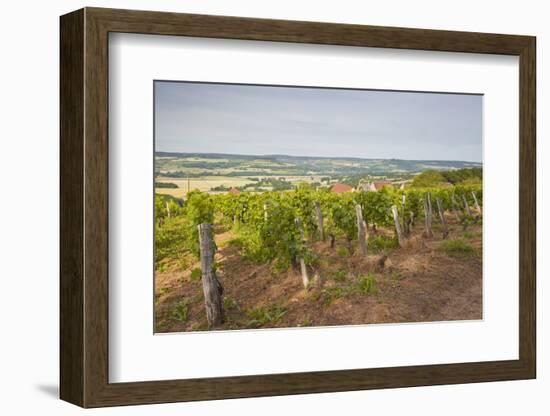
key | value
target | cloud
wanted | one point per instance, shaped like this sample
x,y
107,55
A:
x,y
250,119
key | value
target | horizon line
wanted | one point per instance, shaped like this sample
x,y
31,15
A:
x,y
314,156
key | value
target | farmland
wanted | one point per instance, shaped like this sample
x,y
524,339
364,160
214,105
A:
x,y
220,172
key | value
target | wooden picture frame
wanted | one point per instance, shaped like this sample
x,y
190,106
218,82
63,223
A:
x,y
84,207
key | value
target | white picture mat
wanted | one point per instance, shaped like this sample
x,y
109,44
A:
x,y
136,354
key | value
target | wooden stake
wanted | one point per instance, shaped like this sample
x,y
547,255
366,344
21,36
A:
x,y
266,215
168,209
405,225
361,230
400,237
428,216
320,225
478,208
455,210
303,268
442,218
211,287
466,206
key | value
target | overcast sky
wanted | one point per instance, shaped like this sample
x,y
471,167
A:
x,y
262,120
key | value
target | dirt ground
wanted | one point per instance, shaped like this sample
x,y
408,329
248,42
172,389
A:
x,y
420,282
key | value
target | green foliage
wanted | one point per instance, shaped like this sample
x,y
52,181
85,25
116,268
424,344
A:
x,y
165,185
196,274
377,205
378,243
339,275
266,315
181,310
165,202
220,188
339,213
367,284
160,207
434,178
414,204
343,251
230,304
275,184
468,175
266,224
471,234
170,240
198,209
265,227
429,178
457,248
330,294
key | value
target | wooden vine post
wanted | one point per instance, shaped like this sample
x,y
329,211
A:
x,y
406,229
211,287
442,218
266,215
361,230
168,209
428,216
455,210
476,204
466,206
303,268
400,237
320,225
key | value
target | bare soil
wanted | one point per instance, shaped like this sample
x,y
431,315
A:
x,y
417,283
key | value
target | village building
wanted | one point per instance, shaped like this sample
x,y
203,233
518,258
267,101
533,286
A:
x,y
234,191
340,188
373,186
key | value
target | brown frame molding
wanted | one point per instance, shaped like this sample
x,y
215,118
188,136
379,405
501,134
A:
x,y
84,207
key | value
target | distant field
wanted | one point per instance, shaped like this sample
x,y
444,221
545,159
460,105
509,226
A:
x,y
275,165
203,184
206,183
209,171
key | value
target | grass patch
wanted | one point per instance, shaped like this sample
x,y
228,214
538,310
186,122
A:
x,y
163,290
236,242
181,311
330,294
343,251
379,243
471,234
196,274
338,275
266,315
395,278
457,248
229,303
367,284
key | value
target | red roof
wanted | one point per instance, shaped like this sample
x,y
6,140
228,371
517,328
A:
x,y
234,191
340,188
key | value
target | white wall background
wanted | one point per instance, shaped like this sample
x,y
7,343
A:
x,y
29,159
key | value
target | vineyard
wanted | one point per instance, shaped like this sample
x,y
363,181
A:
x,y
310,257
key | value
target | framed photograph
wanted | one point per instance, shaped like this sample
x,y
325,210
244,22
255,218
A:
x,y
254,207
